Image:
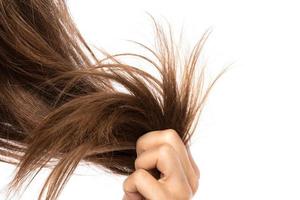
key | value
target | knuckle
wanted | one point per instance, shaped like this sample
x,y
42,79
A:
x,y
139,143
171,135
165,150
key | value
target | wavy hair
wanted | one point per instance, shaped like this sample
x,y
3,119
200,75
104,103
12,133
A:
x,y
60,104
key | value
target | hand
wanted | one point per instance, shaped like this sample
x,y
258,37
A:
x,y
165,151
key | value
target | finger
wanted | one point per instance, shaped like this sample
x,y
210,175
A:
x,y
140,181
164,158
169,136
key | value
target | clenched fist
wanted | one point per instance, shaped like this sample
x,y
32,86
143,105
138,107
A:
x,y
179,174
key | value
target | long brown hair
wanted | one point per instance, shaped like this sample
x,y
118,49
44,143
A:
x,y
59,103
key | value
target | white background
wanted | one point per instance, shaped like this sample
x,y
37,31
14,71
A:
x,y
247,141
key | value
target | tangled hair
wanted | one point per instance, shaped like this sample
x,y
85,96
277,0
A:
x,y
60,104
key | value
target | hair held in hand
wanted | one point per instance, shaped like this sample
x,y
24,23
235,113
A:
x,y
60,104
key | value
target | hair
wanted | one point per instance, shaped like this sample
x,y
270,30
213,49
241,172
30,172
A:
x,y
60,104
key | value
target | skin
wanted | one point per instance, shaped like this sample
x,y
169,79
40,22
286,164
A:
x,y
165,151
